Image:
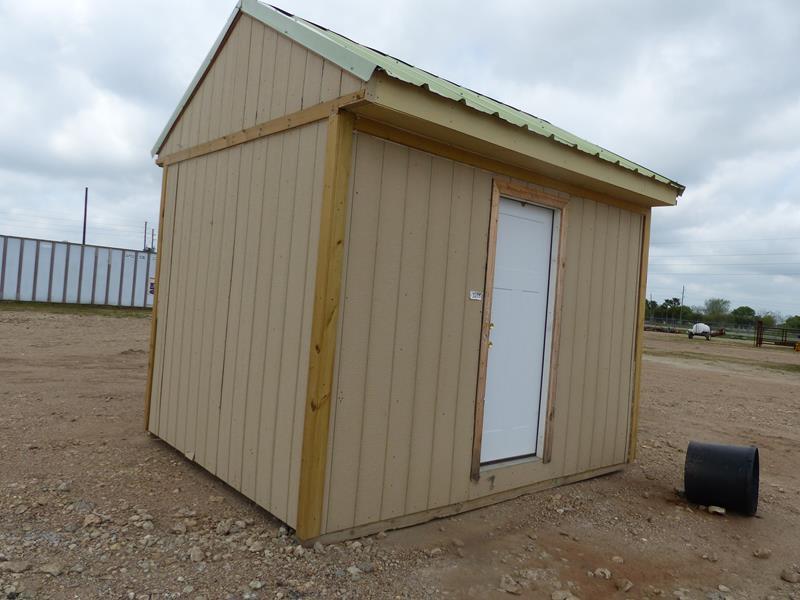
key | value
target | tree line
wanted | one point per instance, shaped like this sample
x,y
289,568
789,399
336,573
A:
x,y
717,312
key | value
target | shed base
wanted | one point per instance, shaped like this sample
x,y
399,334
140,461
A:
x,y
452,509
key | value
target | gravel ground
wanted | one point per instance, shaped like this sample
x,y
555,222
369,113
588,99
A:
x,y
92,507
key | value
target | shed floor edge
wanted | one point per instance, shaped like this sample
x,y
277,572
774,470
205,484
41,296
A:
x,y
189,458
461,507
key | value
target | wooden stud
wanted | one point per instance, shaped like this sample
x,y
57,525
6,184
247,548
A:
x,y
284,123
541,198
483,359
639,339
338,163
148,394
558,301
413,140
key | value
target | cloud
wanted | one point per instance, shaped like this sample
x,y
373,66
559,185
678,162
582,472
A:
x,y
96,135
707,93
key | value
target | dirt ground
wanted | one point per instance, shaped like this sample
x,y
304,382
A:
x,y
90,506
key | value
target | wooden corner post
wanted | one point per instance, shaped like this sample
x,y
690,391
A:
x,y
151,361
639,339
338,159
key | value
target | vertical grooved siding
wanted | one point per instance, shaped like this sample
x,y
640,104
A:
x,y
240,245
407,355
258,75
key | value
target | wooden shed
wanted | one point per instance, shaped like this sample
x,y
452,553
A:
x,y
383,297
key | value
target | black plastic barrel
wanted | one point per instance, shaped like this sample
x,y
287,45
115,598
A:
x,y
720,475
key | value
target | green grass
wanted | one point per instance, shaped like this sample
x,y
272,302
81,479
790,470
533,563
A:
x,y
75,309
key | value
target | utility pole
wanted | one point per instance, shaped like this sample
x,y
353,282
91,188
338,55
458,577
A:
x,y
144,238
683,291
85,209
153,239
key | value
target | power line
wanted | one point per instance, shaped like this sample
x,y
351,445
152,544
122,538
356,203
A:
x,y
718,264
66,221
726,274
654,243
714,255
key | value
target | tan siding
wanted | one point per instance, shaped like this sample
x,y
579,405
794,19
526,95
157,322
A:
x,y
235,340
430,337
176,325
626,360
240,315
257,405
226,192
381,328
197,308
297,76
218,278
592,399
470,343
350,83
312,82
606,360
446,396
331,84
257,75
580,336
254,65
347,411
406,369
409,305
166,251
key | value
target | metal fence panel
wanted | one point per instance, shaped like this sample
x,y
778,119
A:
x,y
11,262
41,279
56,291
51,271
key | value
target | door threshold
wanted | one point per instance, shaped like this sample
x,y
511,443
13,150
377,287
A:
x,y
510,462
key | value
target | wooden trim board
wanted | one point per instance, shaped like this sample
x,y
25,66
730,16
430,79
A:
x,y
558,302
406,138
483,359
148,394
540,198
338,163
296,119
639,339
452,509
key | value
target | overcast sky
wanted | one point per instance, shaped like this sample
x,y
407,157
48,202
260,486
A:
x,y
707,93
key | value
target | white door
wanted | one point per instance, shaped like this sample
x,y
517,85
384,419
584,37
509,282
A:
x,y
518,331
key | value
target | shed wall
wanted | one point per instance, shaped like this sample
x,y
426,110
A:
x,y
239,241
258,75
407,356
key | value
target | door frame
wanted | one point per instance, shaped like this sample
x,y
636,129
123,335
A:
x,y
538,197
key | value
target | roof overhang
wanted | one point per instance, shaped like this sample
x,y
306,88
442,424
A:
x,y
413,109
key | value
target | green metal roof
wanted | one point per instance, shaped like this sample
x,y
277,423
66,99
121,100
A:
x,y
362,62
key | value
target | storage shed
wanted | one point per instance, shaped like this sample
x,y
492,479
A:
x,y
383,297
